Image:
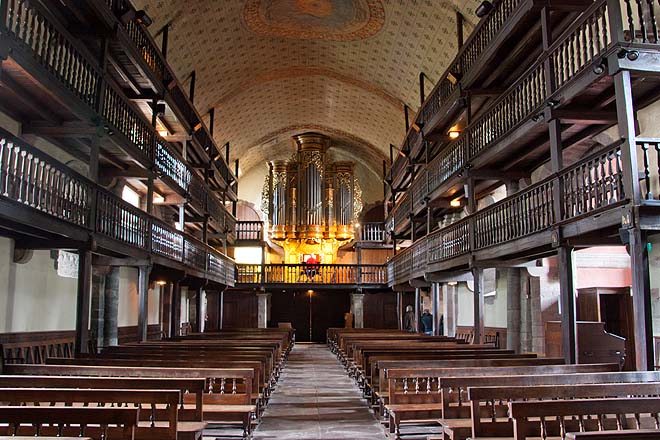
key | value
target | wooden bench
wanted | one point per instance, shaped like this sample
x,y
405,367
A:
x,y
489,410
417,395
221,404
191,412
158,408
557,417
95,423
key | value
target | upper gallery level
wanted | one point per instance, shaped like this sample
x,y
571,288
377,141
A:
x,y
557,141
108,86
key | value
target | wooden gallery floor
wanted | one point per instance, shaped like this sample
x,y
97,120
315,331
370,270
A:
x,y
315,399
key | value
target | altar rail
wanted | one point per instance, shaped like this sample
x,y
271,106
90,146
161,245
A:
x,y
583,46
31,178
317,274
588,187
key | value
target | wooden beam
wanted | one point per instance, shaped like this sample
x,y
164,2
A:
x,y
131,172
19,94
488,174
65,130
81,342
103,260
581,116
567,304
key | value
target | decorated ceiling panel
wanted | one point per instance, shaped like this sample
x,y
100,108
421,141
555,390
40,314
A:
x,y
347,65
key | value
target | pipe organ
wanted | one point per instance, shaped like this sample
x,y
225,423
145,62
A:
x,y
311,202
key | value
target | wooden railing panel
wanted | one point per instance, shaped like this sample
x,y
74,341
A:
x,y
121,221
249,230
526,212
594,183
30,177
322,274
53,48
450,242
373,232
648,154
166,241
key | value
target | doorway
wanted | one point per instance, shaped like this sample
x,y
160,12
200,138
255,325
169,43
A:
x,y
310,312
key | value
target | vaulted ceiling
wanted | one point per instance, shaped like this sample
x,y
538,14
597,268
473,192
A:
x,y
275,68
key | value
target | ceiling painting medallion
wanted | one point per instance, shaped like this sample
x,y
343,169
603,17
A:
x,y
333,20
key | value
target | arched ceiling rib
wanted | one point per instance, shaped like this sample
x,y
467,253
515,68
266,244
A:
x,y
345,65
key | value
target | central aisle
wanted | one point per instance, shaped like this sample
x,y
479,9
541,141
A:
x,y
315,399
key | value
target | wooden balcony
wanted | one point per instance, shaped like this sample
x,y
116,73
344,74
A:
x,y
585,201
304,276
44,203
249,232
60,92
573,75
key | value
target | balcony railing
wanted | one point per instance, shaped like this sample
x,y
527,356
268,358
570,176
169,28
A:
x,y
318,274
593,184
373,232
31,27
250,230
581,47
31,178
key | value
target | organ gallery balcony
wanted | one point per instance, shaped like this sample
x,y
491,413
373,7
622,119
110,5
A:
x,y
331,276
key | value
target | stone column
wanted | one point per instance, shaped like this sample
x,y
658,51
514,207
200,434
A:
x,y
513,309
111,307
98,306
449,306
436,301
357,308
399,309
263,301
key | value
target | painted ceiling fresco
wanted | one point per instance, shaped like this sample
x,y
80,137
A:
x,y
274,68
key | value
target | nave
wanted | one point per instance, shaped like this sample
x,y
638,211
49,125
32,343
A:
x,y
315,399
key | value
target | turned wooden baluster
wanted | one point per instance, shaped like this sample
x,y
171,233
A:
x,y
654,24
646,171
631,22
642,20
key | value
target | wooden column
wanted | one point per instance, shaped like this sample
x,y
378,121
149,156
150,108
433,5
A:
x,y
399,309
567,298
199,309
641,292
166,303
626,123
221,311
478,275
81,343
418,312
436,300
175,310
143,302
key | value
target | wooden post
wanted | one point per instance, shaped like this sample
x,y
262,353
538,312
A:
x,y
399,309
166,35
567,298
557,162
198,310
459,29
626,119
143,302
221,311
166,304
478,275
81,343
641,296
421,89
418,298
193,77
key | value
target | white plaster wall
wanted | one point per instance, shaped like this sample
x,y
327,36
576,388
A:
x,y
32,296
495,307
128,297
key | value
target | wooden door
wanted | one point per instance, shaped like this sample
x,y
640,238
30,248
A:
x,y
616,311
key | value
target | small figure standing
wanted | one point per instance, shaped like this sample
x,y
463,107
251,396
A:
x,y
409,320
427,322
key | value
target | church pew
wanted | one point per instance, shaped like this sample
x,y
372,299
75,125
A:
x,y
95,423
557,417
158,408
381,395
412,395
489,410
456,391
258,382
220,406
190,387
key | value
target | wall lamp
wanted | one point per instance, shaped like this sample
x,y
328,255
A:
x,y
140,16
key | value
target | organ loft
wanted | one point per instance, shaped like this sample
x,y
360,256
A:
x,y
325,219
